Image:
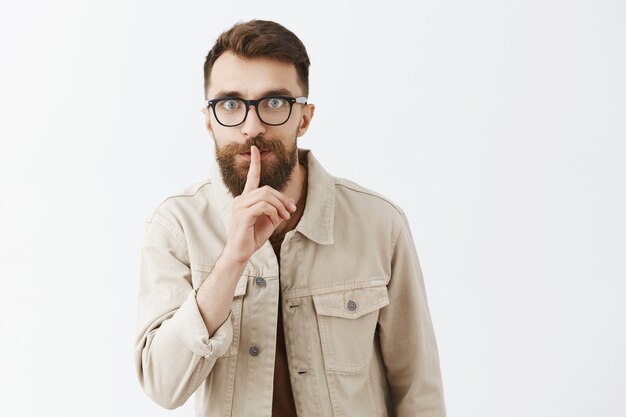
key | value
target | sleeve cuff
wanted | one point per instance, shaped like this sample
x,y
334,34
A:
x,y
193,332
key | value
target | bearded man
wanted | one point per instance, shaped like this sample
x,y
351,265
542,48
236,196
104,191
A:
x,y
274,288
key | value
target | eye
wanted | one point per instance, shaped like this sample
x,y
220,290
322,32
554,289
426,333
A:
x,y
275,103
230,104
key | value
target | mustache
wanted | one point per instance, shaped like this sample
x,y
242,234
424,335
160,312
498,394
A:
x,y
261,143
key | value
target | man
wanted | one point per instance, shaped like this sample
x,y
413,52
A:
x,y
264,307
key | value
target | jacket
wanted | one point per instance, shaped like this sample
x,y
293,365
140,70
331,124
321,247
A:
x,y
358,331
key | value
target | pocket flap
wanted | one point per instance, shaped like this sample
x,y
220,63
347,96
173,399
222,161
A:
x,y
352,303
240,289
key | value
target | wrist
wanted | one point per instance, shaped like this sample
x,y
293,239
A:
x,y
228,260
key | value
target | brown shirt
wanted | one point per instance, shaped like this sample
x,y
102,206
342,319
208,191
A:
x,y
283,404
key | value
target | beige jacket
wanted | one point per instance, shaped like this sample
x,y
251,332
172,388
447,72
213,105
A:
x,y
358,331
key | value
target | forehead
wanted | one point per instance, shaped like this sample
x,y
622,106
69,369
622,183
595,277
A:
x,y
251,77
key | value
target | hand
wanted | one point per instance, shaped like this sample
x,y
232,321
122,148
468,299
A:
x,y
256,213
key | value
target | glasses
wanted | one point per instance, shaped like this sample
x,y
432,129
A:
x,y
273,110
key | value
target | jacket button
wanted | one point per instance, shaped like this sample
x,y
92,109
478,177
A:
x,y
259,281
351,305
254,351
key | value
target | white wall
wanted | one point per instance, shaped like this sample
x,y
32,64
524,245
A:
x,y
507,154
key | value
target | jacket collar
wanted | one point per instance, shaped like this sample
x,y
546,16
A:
x,y
318,217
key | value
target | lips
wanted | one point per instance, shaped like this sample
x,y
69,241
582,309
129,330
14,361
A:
x,y
264,154
261,152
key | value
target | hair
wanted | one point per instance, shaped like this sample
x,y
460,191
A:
x,y
261,38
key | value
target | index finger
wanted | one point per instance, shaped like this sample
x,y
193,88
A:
x,y
254,171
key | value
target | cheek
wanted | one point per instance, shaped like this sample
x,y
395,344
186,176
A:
x,y
292,125
222,135
300,122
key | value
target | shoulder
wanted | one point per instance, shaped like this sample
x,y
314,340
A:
x,y
178,204
365,202
368,197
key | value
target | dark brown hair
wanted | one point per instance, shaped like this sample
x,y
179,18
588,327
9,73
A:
x,y
261,38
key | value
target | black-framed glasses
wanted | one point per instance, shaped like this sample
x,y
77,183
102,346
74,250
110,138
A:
x,y
272,110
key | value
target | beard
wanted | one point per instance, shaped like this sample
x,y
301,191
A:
x,y
276,170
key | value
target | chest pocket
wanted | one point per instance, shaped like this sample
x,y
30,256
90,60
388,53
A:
x,y
347,323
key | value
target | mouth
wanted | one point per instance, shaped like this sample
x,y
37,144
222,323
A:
x,y
264,154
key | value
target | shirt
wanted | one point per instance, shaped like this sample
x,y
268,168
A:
x,y
358,332
282,403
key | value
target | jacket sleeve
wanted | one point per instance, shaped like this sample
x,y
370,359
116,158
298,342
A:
x,y
407,337
173,350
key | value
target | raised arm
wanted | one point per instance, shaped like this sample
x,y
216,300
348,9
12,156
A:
x,y
173,350
180,331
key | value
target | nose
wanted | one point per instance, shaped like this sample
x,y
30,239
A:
x,y
252,126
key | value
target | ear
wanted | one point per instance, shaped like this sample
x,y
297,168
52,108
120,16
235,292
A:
x,y
207,120
305,120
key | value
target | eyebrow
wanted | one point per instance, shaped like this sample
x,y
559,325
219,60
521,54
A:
x,y
275,92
